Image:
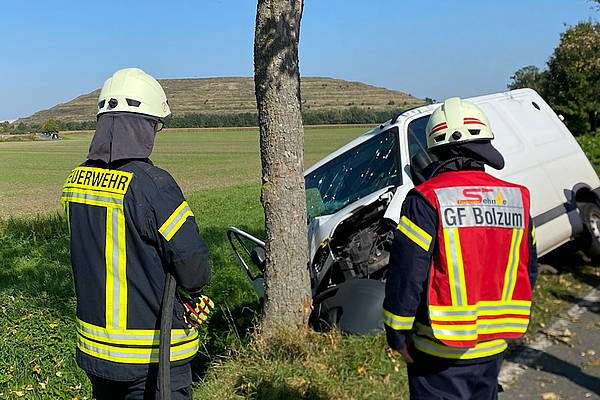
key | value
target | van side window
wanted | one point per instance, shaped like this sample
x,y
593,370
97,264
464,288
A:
x,y
360,171
417,147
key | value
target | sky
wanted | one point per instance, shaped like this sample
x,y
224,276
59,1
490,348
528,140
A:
x,y
54,51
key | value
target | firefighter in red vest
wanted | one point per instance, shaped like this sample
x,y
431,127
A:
x,y
463,263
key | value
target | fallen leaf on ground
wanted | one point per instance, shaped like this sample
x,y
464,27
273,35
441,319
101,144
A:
x,y
551,396
323,367
298,382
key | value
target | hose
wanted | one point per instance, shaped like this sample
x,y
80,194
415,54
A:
x,y
164,347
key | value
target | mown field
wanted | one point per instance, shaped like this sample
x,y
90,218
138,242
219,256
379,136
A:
x,y
219,172
32,173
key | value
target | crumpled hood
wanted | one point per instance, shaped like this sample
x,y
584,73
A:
x,y
123,135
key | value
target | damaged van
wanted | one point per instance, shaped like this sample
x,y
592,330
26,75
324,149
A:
x,y
354,196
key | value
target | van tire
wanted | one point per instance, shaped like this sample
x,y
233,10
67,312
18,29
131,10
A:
x,y
589,240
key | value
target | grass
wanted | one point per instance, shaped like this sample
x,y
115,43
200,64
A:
x,y
308,365
36,290
33,172
37,335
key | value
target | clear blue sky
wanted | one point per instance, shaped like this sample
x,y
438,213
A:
x,y
53,51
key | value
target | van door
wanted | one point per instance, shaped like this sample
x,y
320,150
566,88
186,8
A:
x,y
526,164
415,158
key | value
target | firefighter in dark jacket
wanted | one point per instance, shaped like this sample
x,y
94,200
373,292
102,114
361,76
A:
x,y
130,223
463,263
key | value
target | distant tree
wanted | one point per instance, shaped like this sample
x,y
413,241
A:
x,y
572,81
573,84
288,296
21,128
50,126
527,77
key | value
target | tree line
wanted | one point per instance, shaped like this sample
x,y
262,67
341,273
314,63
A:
x,y
570,83
353,115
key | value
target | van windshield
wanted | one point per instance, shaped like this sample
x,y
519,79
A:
x,y
358,172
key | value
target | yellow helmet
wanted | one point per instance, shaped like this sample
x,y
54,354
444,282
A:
x,y
457,121
133,90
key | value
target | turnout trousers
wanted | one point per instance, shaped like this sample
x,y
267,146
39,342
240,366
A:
x,y
145,388
431,378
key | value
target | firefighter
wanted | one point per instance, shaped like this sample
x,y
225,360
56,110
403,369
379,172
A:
x,y
463,263
130,223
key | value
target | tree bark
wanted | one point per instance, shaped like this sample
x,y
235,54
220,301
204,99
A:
x,y
288,296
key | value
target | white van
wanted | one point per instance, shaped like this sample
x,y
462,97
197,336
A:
x,y
355,194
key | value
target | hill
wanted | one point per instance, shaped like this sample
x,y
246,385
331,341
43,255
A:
x,y
235,95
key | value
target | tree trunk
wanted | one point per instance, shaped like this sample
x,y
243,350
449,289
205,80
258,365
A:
x,y
288,296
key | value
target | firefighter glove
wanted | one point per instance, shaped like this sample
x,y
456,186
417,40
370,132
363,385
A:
x,y
197,307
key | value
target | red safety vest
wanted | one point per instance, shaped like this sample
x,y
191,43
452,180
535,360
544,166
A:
x,y
479,283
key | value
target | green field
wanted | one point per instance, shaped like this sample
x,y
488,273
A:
x,y
33,172
219,172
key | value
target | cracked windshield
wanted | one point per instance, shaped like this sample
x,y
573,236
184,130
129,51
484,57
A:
x,y
366,168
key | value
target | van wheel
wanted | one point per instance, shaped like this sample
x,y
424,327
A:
x,y
589,240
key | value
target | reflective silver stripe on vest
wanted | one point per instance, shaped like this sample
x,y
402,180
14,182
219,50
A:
x,y
93,197
456,267
506,308
514,262
503,325
467,332
452,332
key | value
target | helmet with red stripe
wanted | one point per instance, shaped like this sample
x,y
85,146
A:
x,y
457,121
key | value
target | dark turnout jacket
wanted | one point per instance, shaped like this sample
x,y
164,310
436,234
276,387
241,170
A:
x,y
130,223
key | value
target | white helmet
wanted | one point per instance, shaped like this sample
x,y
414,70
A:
x,y
457,121
133,90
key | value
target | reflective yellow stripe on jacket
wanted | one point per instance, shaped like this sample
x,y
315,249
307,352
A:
x,y
133,346
175,221
397,322
415,233
106,188
424,341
